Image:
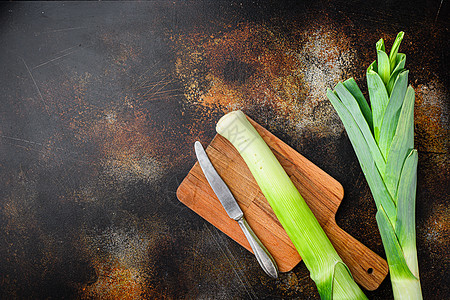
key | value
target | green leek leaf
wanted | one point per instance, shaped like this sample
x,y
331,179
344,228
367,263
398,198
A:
x,y
391,116
402,143
352,87
394,49
405,227
352,106
362,150
400,62
378,100
394,74
384,68
380,45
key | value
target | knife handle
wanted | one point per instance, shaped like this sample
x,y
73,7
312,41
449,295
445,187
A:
x,y
263,256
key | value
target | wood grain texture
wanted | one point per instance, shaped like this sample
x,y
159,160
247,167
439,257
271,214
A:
x,y
322,193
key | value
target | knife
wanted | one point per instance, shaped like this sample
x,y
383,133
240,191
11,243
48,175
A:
x,y
233,210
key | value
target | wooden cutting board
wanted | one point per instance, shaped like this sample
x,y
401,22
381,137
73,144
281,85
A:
x,y
322,193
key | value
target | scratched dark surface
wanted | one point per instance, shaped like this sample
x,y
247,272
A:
x,y
100,104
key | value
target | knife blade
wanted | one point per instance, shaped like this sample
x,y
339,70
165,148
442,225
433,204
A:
x,y
233,210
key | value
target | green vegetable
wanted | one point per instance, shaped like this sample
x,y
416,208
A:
x,y
331,275
383,139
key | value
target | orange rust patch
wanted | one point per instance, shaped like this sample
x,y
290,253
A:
x,y
115,281
254,66
119,256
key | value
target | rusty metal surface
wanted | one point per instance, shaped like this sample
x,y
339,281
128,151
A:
x,y
100,106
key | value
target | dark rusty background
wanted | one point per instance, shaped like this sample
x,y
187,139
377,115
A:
x,y
100,106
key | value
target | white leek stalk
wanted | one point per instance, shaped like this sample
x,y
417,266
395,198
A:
x,y
383,138
331,275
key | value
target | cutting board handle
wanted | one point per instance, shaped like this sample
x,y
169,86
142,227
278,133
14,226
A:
x,y
365,264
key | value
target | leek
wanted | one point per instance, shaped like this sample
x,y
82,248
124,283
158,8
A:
x,y
383,139
331,275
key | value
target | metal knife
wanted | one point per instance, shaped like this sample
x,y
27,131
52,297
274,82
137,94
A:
x,y
233,210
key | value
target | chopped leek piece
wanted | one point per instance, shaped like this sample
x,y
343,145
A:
x,y
393,184
331,275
